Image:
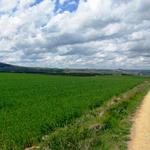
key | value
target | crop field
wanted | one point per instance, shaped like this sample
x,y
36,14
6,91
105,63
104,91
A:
x,y
32,106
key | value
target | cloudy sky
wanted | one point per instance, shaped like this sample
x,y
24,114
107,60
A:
x,y
76,33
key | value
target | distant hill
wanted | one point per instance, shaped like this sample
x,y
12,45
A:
x,y
20,69
2,65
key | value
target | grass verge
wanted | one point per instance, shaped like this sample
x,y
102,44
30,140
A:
x,y
104,128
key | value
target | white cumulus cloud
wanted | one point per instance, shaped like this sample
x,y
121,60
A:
x,y
99,34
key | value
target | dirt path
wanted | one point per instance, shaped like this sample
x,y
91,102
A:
x,y
140,134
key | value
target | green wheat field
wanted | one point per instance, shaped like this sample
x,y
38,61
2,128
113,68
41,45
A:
x,y
32,106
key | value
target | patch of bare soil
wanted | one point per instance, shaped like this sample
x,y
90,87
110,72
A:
x,y
140,133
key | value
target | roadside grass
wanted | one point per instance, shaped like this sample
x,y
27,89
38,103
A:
x,y
117,124
105,128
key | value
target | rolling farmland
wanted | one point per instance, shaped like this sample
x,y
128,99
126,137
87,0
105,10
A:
x,y
74,75
32,106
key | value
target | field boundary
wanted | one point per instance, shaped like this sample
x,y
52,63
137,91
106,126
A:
x,y
89,123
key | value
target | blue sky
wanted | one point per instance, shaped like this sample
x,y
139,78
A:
x,y
69,5
36,2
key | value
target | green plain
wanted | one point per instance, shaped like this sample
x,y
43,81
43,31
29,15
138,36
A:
x,y
34,105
